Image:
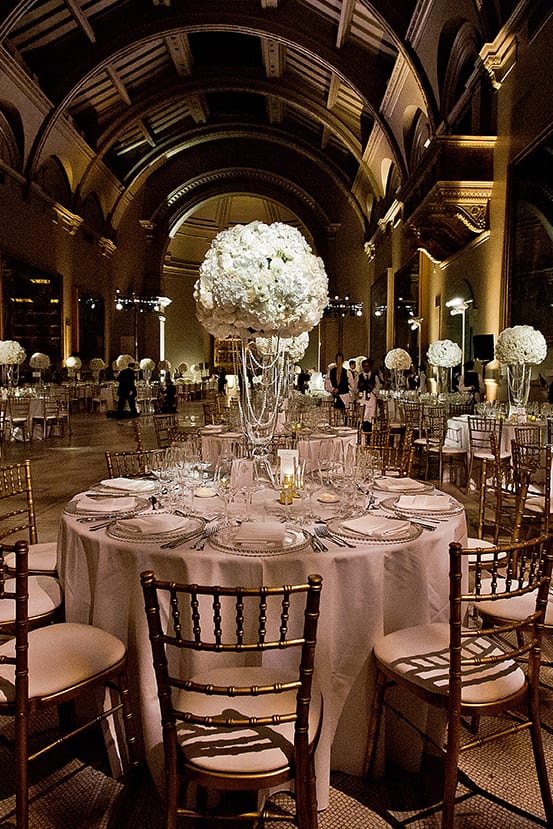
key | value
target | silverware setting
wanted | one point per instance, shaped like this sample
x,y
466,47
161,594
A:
x,y
180,539
426,525
317,544
322,531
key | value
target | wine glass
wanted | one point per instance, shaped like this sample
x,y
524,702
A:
x,y
222,481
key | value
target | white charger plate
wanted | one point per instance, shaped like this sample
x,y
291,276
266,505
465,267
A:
x,y
295,540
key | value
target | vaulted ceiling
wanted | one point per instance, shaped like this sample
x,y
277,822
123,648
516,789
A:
x,y
146,80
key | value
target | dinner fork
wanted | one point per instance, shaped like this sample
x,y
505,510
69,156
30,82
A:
x,y
323,532
207,533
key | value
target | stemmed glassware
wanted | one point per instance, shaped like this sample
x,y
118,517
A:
x,y
222,480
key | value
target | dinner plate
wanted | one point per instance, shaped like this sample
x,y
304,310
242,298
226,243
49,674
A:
x,y
454,507
411,487
193,526
140,504
295,540
337,527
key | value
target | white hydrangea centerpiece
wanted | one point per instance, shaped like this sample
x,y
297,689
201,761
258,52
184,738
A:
x,y
294,347
39,360
124,361
260,279
398,359
444,353
74,363
521,344
97,364
147,364
11,353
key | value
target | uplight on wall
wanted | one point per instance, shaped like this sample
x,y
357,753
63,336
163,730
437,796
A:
x,y
457,306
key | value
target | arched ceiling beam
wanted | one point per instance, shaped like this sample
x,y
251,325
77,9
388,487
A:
x,y
299,28
327,169
289,95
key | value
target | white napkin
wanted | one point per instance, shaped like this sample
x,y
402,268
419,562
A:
x,y
401,483
260,533
155,522
105,505
371,524
130,484
424,503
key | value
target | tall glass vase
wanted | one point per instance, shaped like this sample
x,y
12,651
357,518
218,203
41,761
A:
x,y
263,380
519,376
444,380
10,375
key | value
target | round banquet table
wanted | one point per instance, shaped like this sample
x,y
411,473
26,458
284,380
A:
x,y
330,446
372,589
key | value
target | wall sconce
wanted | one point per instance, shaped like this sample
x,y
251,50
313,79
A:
x,y
380,310
457,306
415,324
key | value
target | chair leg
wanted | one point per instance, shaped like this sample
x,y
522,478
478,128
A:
x,y
451,771
374,725
539,757
482,496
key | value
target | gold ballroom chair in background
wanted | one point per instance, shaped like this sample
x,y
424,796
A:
x,y
133,464
44,668
471,671
242,728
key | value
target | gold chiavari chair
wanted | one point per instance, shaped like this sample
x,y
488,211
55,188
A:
x,y
480,429
472,671
241,726
162,423
47,667
133,464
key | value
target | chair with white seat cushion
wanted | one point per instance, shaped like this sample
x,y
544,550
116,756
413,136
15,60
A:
x,y
251,724
44,668
474,672
18,517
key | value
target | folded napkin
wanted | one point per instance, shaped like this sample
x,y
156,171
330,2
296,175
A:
x,y
425,503
155,522
377,525
129,484
260,533
105,505
401,483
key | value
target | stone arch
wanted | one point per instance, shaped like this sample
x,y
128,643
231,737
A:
x,y
416,135
53,179
458,48
11,136
92,213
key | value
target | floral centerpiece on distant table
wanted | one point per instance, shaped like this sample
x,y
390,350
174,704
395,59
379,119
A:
x,y
12,354
397,360
96,366
73,365
146,366
519,348
444,354
260,280
39,362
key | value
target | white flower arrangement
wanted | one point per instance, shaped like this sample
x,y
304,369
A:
x,y
164,365
260,279
124,361
521,344
293,347
183,367
147,364
397,358
39,360
74,363
97,364
444,353
11,353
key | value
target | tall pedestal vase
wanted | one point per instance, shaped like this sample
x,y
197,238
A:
x,y
263,386
10,375
443,380
519,376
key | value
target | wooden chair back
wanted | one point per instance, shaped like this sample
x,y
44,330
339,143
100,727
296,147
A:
x,y
162,422
132,464
17,502
474,670
241,625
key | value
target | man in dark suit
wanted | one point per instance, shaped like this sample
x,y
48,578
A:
x,y
126,392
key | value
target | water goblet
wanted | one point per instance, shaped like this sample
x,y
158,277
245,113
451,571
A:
x,y
222,481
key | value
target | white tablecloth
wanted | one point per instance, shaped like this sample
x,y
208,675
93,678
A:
x,y
367,591
458,433
330,447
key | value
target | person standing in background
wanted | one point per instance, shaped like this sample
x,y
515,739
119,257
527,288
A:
x,y
126,391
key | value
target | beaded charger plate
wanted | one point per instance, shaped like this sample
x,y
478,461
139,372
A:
x,y
410,532
453,508
140,504
294,540
411,487
190,527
